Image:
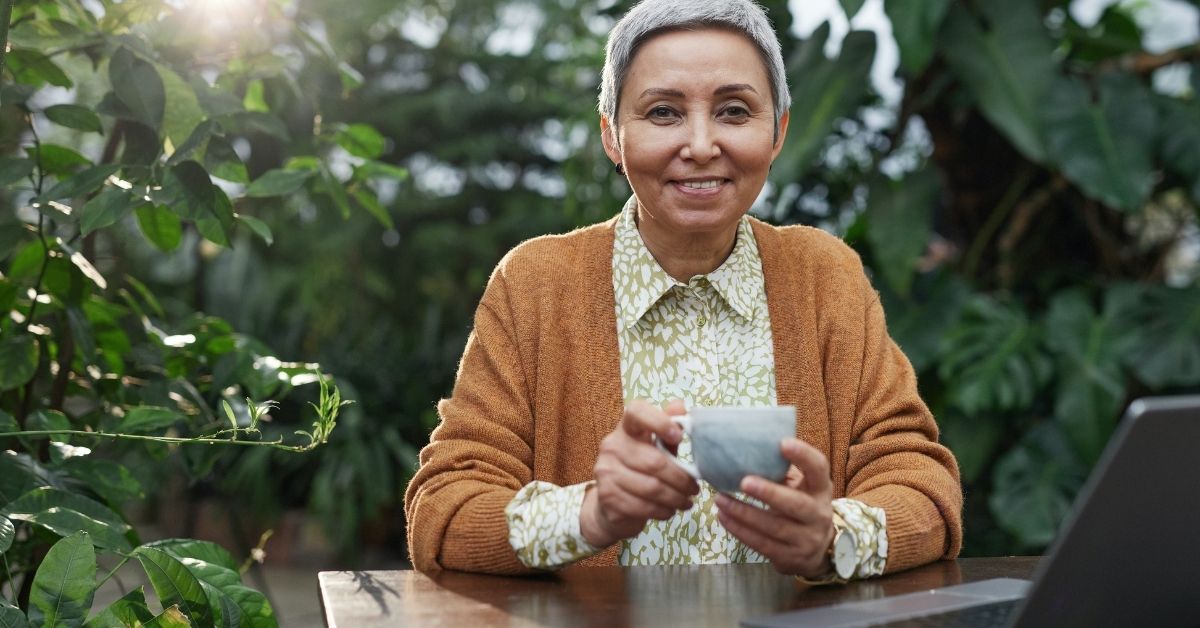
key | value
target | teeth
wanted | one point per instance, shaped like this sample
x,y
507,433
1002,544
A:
x,y
702,185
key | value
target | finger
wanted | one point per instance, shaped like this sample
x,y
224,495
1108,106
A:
x,y
652,490
642,419
788,501
649,460
631,507
768,523
751,536
675,407
811,462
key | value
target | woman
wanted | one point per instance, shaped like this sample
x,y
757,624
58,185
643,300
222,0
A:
x,y
545,456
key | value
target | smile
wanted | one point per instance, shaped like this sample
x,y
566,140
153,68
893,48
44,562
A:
x,y
702,185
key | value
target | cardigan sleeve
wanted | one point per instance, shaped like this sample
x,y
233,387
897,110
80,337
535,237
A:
x,y
895,460
478,457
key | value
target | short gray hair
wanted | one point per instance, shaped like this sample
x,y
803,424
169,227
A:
x,y
652,17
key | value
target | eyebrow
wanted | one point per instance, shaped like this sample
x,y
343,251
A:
x,y
720,91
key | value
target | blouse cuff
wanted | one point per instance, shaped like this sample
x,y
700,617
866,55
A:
x,y
869,526
543,525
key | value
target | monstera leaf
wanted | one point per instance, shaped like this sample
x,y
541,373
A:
x,y
919,321
915,26
832,89
1087,347
1005,58
899,219
1034,485
992,360
1105,147
1168,351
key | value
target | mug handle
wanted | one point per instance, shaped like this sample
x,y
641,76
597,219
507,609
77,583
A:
x,y
685,422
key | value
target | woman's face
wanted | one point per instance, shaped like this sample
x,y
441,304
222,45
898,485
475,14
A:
x,y
695,129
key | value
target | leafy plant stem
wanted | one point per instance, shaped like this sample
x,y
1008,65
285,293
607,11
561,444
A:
x,y
12,585
276,444
995,219
6,7
124,559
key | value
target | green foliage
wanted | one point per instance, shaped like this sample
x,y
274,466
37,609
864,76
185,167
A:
x,y
102,388
65,583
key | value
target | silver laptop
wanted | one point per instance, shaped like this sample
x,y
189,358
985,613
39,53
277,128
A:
x,y
1127,555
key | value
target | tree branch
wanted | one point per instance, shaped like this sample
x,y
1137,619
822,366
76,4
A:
x,y
1144,63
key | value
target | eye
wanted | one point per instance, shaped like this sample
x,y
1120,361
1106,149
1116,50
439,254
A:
x,y
736,112
661,112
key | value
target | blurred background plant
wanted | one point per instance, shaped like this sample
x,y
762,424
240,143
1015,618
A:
x,y
1022,179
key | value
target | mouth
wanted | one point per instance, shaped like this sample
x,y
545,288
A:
x,y
703,186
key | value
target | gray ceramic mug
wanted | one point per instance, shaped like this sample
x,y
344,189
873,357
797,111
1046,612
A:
x,y
729,443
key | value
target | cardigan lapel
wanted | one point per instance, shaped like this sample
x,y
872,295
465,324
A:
x,y
603,368
798,373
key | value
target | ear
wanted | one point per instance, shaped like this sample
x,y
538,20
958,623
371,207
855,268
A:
x,y
783,127
608,137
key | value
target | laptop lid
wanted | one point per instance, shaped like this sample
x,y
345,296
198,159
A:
x,y
1129,552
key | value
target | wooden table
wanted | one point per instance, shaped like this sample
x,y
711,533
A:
x,y
710,595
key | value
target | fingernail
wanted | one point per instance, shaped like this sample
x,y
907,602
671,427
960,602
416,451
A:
x,y
750,485
676,433
721,500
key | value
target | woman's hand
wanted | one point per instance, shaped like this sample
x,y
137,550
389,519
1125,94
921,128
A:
x,y
795,530
635,481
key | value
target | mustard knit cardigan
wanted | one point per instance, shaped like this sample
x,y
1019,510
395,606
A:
x,y
539,386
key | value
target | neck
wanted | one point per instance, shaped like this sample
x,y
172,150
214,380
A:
x,y
685,255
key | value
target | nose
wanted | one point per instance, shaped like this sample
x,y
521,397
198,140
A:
x,y
701,146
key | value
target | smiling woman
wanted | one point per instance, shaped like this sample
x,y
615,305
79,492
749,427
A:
x,y
586,345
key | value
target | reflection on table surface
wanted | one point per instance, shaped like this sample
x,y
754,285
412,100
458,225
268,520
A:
x,y
707,595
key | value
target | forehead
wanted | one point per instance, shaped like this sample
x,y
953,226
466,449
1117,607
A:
x,y
696,61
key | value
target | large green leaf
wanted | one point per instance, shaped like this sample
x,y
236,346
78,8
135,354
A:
x,y
1034,485
19,474
11,616
74,117
112,481
1179,135
81,184
56,160
206,551
148,419
915,26
833,89
899,221
160,226
18,359
130,610
1105,147
105,209
223,162
279,182
65,583
256,609
1091,384
13,169
361,140
973,440
181,110
919,321
225,609
1006,60
175,585
7,533
1168,351
34,68
67,513
138,86
992,360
